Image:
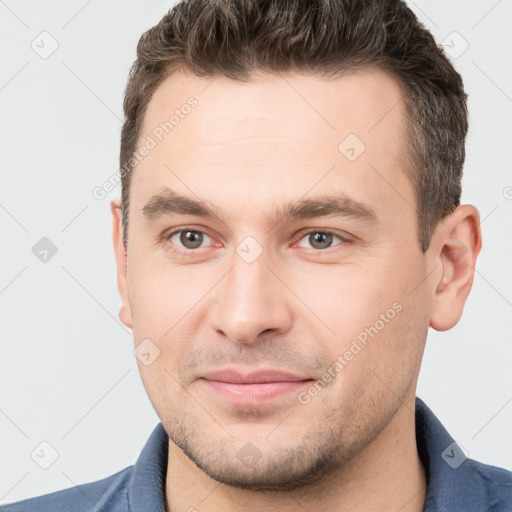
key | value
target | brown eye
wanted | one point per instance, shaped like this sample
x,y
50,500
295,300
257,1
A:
x,y
187,238
321,239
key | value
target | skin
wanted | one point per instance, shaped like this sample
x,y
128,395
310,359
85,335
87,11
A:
x,y
243,150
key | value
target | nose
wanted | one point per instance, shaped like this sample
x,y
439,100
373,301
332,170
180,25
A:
x,y
252,301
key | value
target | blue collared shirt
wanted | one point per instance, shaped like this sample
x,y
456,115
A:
x,y
455,483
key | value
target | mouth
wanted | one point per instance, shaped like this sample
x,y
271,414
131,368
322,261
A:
x,y
252,389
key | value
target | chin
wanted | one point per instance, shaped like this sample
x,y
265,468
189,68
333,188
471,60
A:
x,y
290,468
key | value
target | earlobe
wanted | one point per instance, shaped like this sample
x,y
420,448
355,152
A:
x,y
458,245
121,262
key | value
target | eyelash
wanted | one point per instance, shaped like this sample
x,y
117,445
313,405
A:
x,y
188,252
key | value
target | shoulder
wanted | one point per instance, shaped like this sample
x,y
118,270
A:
x,y
496,482
107,494
455,481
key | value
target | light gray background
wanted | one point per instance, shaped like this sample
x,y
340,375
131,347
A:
x,y
67,371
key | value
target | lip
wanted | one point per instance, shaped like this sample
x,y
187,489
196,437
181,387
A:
x,y
254,388
256,377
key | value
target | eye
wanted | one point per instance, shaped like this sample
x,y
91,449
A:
x,y
321,239
188,238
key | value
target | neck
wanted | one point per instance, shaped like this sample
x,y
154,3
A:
x,y
386,475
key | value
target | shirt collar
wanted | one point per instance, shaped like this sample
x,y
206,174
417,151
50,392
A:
x,y
446,469
146,490
452,478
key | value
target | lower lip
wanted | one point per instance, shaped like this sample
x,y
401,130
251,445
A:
x,y
253,394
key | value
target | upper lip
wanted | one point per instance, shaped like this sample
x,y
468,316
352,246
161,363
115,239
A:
x,y
255,377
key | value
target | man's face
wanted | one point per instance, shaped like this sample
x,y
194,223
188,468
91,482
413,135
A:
x,y
252,309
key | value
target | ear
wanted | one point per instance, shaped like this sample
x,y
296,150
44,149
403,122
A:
x,y
458,241
125,313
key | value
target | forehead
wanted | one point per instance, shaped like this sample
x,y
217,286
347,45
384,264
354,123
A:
x,y
354,102
275,137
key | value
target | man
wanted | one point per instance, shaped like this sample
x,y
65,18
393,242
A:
x,y
289,228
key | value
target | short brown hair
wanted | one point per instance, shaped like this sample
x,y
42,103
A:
x,y
237,38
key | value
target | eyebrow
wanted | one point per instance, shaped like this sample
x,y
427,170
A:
x,y
169,202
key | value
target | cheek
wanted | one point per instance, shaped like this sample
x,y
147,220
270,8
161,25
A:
x,y
167,309
160,295
393,356
379,325
345,299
